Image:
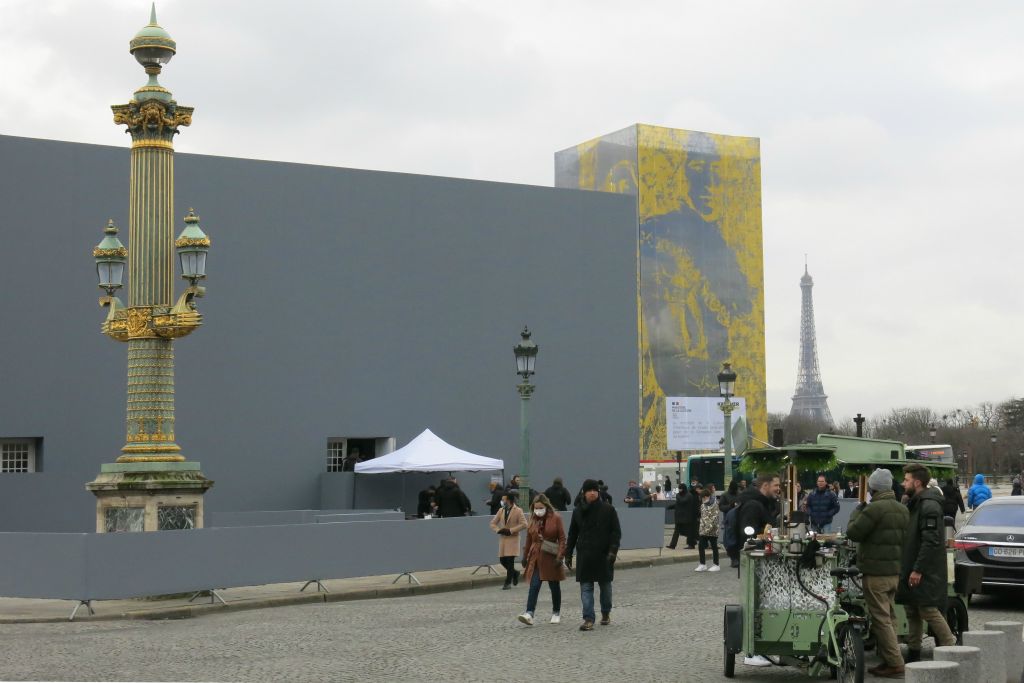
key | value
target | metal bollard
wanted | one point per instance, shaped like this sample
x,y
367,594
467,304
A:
x,y
969,659
993,653
1014,647
933,672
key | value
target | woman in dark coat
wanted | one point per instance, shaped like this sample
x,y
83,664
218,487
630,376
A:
x,y
681,506
693,517
953,500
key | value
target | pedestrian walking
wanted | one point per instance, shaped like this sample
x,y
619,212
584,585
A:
x,y
979,493
543,557
595,533
822,505
923,570
507,523
559,496
952,500
708,532
693,517
879,528
681,513
1016,490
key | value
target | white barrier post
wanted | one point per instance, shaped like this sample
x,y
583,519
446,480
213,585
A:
x,y
993,653
933,672
969,659
1014,647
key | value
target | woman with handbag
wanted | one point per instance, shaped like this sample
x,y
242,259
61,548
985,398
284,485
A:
x,y
507,523
543,558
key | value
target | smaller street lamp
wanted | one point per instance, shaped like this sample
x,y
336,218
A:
x,y
111,257
526,360
727,388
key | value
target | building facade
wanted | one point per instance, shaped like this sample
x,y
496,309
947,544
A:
x,y
346,310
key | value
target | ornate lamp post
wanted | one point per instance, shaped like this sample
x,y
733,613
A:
x,y
992,466
526,360
151,486
932,431
727,387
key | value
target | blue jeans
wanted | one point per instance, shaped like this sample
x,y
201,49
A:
x,y
587,595
556,593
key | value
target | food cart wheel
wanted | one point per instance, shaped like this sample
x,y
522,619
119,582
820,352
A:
x,y
851,655
956,617
730,662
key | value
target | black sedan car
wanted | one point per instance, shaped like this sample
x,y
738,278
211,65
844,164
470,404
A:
x,y
993,537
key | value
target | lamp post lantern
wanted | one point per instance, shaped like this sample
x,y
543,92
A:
x,y
151,486
526,360
727,388
992,466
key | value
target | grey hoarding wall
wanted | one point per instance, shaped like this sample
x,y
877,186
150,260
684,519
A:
x,y
110,566
339,303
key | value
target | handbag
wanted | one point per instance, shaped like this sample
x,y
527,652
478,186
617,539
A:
x,y
549,547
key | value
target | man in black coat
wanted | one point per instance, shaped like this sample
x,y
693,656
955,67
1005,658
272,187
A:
x,y
757,506
559,495
596,533
923,570
451,501
494,502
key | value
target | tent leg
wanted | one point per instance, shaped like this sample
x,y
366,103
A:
x,y
214,595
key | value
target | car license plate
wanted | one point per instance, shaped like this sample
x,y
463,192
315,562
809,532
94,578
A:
x,y
995,551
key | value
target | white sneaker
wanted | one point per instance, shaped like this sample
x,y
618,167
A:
x,y
701,568
526,618
556,618
714,568
756,660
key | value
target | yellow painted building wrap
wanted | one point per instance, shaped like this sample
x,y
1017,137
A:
x,y
700,263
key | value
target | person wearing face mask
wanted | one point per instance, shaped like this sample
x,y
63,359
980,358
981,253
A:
x,y
542,558
507,523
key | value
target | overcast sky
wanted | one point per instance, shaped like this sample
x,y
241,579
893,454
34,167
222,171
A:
x,y
891,135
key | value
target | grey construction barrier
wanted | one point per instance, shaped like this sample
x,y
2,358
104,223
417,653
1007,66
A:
x,y
126,565
1014,647
993,653
969,659
273,517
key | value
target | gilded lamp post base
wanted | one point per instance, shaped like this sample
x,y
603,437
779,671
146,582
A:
x,y
149,496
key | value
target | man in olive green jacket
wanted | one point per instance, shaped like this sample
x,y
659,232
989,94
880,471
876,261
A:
x,y
924,572
879,528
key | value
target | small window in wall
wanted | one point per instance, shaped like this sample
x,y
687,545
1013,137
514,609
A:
x,y
344,452
18,455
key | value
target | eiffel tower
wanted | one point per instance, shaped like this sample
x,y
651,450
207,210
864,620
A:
x,y
809,400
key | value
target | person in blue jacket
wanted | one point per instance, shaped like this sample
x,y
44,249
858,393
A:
x,y
979,493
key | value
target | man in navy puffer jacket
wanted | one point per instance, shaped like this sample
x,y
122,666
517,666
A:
x,y
979,493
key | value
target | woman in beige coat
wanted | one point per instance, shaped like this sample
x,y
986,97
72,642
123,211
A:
x,y
541,565
507,523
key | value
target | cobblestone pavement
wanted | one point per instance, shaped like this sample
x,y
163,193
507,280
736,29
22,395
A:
x,y
667,625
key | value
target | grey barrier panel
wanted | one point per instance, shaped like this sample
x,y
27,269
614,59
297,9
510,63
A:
x,y
275,517
369,516
41,565
125,565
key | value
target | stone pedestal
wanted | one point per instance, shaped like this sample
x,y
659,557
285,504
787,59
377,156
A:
x,y
149,496
993,653
969,659
1014,647
933,672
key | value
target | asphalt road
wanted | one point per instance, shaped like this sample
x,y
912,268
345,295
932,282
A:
x,y
667,625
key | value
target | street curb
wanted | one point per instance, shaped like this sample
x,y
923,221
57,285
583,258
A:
x,y
394,591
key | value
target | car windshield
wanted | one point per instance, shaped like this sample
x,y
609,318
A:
x,y
999,515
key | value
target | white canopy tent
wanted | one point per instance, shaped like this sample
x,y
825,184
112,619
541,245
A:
x,y
429,453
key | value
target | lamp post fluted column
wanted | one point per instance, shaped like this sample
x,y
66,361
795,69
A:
x,y
526,359
727,388
151,486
